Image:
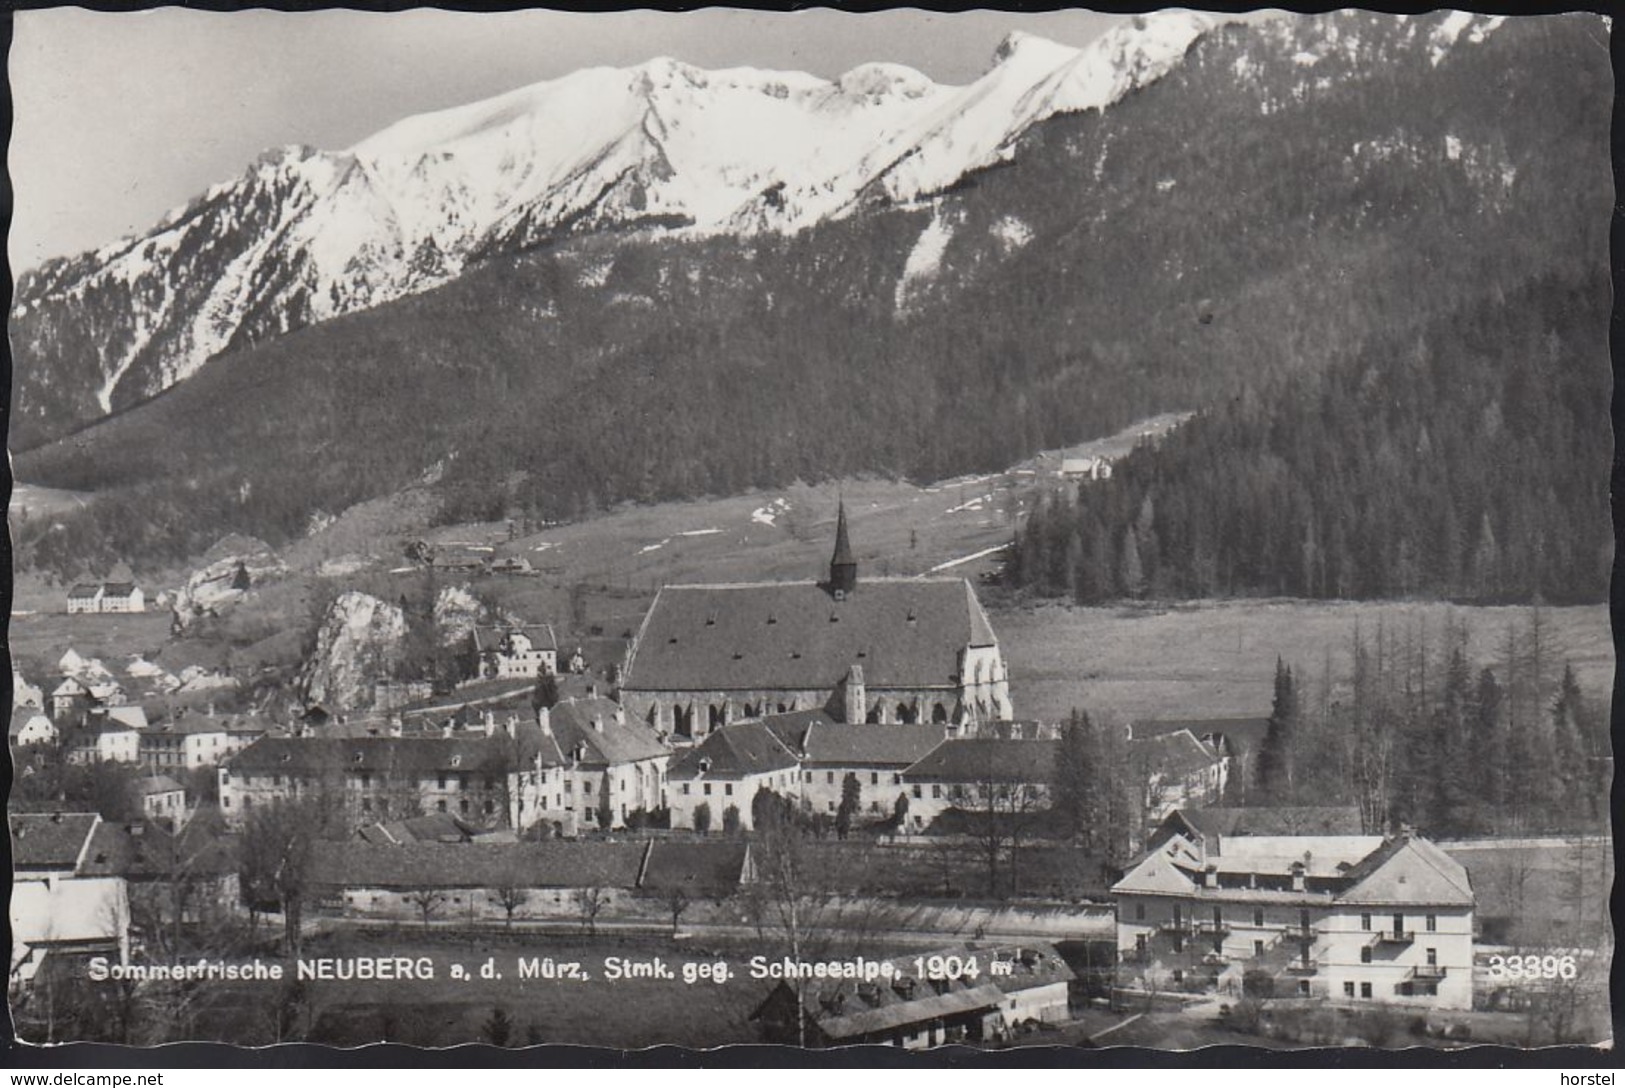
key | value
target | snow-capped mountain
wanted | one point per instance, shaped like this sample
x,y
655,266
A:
x,y
307,235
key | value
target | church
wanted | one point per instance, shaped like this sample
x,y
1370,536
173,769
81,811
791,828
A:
x,y
875,650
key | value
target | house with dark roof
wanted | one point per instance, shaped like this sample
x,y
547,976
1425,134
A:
x,y
1238,739
725,770
102,739
613,766
106,597
502,774
1345,918
1214,824
876,650
521,652
29,725
59,904
829,750
981,774
969,993
162,798
1177,771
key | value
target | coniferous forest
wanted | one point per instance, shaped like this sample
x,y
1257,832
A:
x,y
1470,466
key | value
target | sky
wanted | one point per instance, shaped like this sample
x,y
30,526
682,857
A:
x,y
119,117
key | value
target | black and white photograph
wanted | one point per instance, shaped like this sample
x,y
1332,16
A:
x,y
990,529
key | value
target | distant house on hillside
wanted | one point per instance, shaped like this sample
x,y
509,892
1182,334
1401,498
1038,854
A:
x,y
1086,468
106,597
30,726
24,694
163,799
516,653
1237,738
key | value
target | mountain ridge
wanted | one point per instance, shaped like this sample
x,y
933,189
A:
x,y
305,235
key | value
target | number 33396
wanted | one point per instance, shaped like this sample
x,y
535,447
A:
x,y
1530,968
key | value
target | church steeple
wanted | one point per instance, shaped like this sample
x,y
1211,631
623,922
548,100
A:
x,y
843,569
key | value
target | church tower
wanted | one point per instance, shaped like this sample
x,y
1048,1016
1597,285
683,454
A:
x,y
843,569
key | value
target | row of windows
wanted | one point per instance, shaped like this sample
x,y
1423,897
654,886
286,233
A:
x,y
1430,922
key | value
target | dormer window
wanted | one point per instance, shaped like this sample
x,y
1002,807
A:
x,y
834,617
456,761
711,620
772,619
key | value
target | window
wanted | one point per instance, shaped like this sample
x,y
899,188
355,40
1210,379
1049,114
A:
x,y
685,788
807,776
728,789
586,787
874,778
1348,989
1179,976
1365,989
897,779
1179,945
1433,957
1258,948
1303,987
1139,912
917,792
1258,916
440,806
708,789
1399,924
462,806
829,776
1218,946
1218,916
442,782
1365,922
1365,955
490,807
1433,923
366,804
936,791
831,805
569,786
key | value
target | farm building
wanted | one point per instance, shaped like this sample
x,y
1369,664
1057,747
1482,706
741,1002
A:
x,y
516,653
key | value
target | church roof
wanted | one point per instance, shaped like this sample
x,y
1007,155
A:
x,y
794,636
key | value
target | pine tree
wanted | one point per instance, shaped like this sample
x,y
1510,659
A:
x,y
1275,758
1074,789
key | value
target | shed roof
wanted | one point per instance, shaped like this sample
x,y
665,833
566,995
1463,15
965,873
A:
x,y
794,636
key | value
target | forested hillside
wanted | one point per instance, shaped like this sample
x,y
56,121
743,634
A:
x,y
1314,195
1470,465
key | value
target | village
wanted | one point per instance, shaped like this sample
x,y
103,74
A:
x,y
780,770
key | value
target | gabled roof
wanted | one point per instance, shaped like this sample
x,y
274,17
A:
x,y
1242,733
1164,871
554,864
83,592
1270,820
490,639
697,868
734,751
22,716
162,783
987,759
133,716
50,840
1173,753
897,746
1405,871
434,827
191,724
795,726
794,636
612,742
118,589
315,756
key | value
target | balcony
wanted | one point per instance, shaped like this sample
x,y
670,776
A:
x,y
1174,925
1396,936
1213,929
1302,936
1215,959
1427,972
1300,969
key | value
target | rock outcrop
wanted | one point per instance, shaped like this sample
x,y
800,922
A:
x,y
362,641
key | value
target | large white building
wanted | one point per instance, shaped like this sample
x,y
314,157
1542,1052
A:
x,y
1354,918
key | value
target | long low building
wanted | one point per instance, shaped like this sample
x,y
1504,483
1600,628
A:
x,y
1355,918
971,993
476,882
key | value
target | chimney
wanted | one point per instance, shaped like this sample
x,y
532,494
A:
x,y
1297,876
490,723
544,720
211,709
592,691
511,726
445,730
1210,876
396,726
620,714
857,699
597,723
